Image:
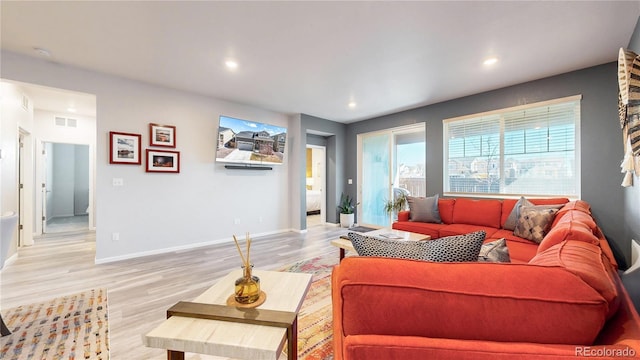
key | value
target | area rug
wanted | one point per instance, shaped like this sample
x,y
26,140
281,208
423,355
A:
x,y
315,333
69,327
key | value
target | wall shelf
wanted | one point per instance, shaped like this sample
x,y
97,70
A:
x,y
248,167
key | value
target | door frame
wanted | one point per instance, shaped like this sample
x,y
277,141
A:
x,y
323,179
391,132
41,181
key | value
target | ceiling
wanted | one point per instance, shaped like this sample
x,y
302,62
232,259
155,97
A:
x,y
315,57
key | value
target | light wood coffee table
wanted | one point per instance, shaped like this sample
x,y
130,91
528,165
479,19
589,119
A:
x,y
384,233
208,326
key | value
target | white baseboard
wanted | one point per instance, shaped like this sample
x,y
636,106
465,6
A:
x,y
177,248
635,257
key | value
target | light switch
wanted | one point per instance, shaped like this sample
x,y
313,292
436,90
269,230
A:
x,y
350,181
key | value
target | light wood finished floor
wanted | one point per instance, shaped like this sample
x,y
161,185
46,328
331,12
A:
x,y
140,290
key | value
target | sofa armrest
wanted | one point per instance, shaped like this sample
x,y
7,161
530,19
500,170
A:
x,y
382,296
403,215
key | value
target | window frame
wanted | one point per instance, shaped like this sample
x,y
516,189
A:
x,y
500,113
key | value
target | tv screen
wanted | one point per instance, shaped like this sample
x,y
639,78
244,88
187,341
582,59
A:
x,y
250,142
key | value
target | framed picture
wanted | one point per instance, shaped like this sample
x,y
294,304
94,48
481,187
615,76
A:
x,y
162,135
163,161
125,148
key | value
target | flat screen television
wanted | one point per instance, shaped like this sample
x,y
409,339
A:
x,y
249,143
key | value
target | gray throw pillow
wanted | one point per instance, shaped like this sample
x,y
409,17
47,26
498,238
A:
x,y
424,209
446,249
534,222
510,224
495,251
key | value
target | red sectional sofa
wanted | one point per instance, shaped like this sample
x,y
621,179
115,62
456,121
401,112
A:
x,y
558,299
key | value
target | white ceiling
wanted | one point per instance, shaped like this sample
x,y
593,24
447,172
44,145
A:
x,y
315,57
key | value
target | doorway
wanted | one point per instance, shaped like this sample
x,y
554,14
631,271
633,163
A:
x,y
316,185
65,198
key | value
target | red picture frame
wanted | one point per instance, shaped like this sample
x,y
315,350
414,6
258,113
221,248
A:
x,y
162,135
125,148
163,161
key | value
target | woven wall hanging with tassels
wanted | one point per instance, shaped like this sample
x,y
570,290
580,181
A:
x,y
629,111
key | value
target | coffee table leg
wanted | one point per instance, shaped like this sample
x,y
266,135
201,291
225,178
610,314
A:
x,y
341,254
175,355
292,340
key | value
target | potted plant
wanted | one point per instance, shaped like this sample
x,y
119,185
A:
x,y
346,208
399,203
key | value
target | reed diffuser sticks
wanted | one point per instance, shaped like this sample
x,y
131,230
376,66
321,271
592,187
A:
x,y
245,261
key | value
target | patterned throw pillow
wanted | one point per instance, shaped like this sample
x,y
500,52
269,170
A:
x,y
424,209
446,249
495,251
534,222
510,224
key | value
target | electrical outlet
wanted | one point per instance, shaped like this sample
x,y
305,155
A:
x,y
115,236
260,219
118,182
236,221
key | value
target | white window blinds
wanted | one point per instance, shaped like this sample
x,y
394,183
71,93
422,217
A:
x,y
526,150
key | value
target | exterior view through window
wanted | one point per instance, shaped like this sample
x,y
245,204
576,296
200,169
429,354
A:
x,y
526,150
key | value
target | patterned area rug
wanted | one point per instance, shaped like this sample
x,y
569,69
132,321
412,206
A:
x,y
315,339
70,327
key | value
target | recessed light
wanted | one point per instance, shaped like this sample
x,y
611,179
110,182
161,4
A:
x,y
230,64
490,61
352,104
71,109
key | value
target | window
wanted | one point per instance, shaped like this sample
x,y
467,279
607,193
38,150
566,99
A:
x,y
525,150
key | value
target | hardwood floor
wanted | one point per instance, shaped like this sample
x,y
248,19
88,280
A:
x,y
140,290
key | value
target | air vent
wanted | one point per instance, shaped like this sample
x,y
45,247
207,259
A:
x,y
60,121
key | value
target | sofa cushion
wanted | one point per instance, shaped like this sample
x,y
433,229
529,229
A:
x,y
430,229
445,207
588,262
575,216
447,249
512,220
509,204
494,251
534,222
477,212
459,229
497,297
424,209
568,230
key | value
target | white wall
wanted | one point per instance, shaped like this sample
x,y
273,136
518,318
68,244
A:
x,y
155,212
13,119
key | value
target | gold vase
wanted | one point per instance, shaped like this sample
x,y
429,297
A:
x,y
247,290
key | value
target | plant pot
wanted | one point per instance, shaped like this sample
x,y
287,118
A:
x,y
346,220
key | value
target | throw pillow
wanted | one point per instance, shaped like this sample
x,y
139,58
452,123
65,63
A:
x,y
534,222
446,249
495,251
423,209
510,224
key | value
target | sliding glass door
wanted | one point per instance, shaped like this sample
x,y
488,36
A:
x,y
391,164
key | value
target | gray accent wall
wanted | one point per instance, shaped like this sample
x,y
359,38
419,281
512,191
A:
x,y
334,135
601,145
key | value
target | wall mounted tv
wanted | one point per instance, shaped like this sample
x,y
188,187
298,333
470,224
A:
x,y
248,143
